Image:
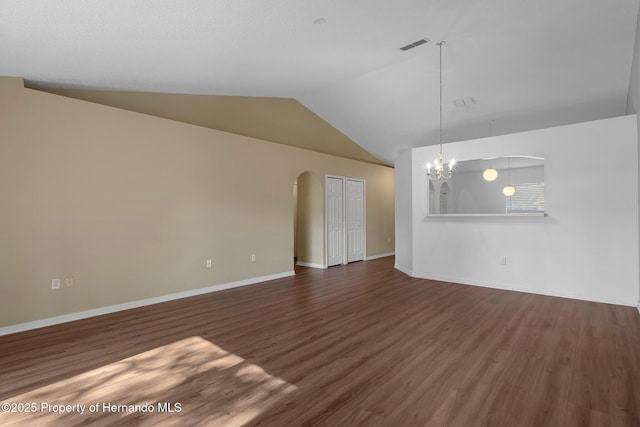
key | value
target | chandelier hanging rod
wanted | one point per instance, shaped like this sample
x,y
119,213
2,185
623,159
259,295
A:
x,y
439,173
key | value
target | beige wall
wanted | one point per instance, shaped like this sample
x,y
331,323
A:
x,y
282,120
132,205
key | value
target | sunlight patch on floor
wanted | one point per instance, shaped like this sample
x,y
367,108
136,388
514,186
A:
x,y
191,380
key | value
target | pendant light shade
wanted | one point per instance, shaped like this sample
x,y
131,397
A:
x,y
509,190
490,174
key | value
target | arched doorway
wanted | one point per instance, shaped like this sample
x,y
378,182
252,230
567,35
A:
x,y
433,209
444,198
308,222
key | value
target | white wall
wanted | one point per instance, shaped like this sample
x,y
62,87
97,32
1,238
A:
x,y
403,214
633,97
587,246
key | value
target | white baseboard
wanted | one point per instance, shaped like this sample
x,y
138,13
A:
x,y
369,258
309,264
406,271
493,285
134,304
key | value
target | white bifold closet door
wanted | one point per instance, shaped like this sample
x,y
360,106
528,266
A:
x,y
335,221
346,220
355,220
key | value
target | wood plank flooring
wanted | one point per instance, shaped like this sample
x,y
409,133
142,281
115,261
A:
x,y
356,345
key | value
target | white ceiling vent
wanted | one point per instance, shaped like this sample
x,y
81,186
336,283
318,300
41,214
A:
x,y
414,44
465,102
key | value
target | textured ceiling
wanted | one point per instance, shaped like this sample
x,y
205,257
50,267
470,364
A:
x,y
528,64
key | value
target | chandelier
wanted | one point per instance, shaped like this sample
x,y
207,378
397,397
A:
x,y
439,164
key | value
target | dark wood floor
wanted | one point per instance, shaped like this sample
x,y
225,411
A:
x,y
361,344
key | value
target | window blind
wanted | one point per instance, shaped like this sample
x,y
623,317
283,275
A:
x,y
529,198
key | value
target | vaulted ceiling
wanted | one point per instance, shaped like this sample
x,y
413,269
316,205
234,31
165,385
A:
x,y
527,64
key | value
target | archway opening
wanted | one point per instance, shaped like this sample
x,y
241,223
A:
x,y
308,222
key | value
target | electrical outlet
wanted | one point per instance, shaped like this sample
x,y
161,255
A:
x,y
503,261
388,239
55,283
68,282
253,257
209,263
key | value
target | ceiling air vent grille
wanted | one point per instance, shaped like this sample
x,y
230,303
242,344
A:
x,y
465,102
414,44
